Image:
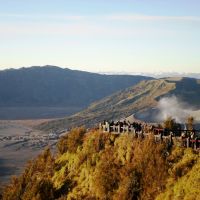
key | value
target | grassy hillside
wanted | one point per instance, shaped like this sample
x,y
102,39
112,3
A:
x,y
139,99
97,165
188,90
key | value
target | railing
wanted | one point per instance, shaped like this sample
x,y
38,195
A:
x,y
169,136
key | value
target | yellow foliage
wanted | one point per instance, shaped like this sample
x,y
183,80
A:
x,y
106,166
184,180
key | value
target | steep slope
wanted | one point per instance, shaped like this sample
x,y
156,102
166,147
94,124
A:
x,y
52,86
139,100
188,90
123,103
96,165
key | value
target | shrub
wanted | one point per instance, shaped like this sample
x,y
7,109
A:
x,y
71,141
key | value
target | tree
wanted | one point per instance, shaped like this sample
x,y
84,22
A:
x,y
72,140
106,175
171,124
35,182
190,123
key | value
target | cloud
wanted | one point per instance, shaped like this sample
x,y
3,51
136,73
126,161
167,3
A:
x,y
99,26
77,29
42,17
133,17
174,107
114,17
50,28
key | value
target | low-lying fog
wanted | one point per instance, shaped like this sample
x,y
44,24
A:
x,y
170,107
174,107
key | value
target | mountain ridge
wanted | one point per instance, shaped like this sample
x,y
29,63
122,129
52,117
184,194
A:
x,y
25,79
139,100
52,86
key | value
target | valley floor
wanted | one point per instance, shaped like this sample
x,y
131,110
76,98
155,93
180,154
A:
x,y
20,142
16,113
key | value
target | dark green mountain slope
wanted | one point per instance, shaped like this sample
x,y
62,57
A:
x,y
139,100
51,86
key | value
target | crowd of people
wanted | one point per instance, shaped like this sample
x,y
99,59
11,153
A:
x,y
189,138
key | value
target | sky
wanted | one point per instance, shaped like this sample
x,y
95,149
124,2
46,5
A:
x,y
101,35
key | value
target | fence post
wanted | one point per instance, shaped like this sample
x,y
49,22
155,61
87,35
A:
x,y
118,128
195,143
161,136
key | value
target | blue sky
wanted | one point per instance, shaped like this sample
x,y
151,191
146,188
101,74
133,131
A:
x,y
100,35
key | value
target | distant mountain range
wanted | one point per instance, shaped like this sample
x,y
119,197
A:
x,y
27,91
156,74
140,100
171,74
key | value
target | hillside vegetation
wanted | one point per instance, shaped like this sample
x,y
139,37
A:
x,y
95,165
139,99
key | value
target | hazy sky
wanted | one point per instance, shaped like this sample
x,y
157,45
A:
x,y
101,35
